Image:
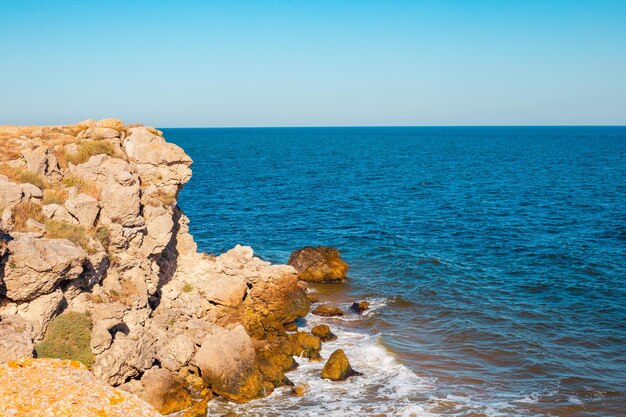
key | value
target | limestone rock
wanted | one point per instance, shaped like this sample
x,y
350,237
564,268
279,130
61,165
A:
x,y
158,162
40,311
37,265
319,264
176,352
59,213
165,391
15,338
54,387
42,161
11,194
84,208
227,360
338,367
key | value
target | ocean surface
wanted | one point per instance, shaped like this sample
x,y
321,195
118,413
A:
x,y
494,259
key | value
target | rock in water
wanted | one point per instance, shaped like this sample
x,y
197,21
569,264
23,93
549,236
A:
x,y
360,307
338,367
319,264
327,311
323,332
53,387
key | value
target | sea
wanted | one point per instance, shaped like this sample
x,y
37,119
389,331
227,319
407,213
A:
x,y
493,258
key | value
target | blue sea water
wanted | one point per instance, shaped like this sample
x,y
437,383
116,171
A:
x,y
495,258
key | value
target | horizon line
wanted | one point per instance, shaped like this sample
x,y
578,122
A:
x,y
379,126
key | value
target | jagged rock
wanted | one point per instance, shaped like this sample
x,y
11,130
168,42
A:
x,y
40,311
132,352
323,332
338,367
16,341
42,161
36,265
59,213
158,162
31,192
54,387
360,307
165,391
84,208
176,352
318,264
32,224
327,311
227,360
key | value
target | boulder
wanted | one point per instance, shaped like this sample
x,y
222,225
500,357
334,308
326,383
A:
x,y
307,345
338,367
84,208
360,307
16,341
327,311
11,194
323,332
53,387
36,265
165,391
319,264
158,162
228,363
313,299
42,161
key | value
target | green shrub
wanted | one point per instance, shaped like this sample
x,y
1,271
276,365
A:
x,y
89,148
68,337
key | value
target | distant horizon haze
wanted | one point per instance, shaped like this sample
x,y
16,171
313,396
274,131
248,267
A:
x,y
307,64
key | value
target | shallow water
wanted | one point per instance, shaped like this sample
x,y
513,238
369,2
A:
x,y
495,258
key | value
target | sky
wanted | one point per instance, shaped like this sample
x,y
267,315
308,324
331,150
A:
x,y
314,63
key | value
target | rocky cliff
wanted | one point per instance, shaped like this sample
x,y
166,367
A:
x,y
97,264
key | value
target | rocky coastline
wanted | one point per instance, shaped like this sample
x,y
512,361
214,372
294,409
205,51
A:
x,y
98,270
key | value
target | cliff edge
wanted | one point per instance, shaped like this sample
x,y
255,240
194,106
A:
x,y
97,265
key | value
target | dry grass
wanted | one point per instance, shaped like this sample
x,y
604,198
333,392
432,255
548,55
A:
x,y
24,211
72,232
83,186
159,197
89,148
23,176
68,337
10,151
54,195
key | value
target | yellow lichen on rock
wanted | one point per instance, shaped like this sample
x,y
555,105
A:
x,y
53,387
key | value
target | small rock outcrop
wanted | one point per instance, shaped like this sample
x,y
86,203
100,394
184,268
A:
x,y
360,307
57,388
338,368
323,332
327,311
319,264
15,338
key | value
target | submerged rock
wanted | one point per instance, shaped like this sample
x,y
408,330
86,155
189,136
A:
x,y
327,311
323,332
338,367
318,264
360,307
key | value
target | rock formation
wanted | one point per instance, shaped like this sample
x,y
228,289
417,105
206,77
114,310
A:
x,y
319,264
62,388
338,367
90,225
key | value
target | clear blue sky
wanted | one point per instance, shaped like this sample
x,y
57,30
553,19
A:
x,y
294,63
